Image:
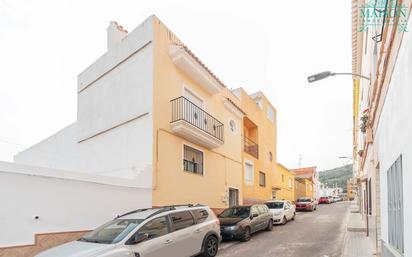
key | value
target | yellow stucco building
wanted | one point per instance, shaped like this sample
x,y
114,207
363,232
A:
x,y
284,183
197,129
212,145
303,187
258,146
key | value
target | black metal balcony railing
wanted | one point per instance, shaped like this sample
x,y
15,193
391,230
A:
x,y
183,109
250,147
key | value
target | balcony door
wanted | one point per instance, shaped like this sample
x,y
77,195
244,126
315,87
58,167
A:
x,y
193,110
189,95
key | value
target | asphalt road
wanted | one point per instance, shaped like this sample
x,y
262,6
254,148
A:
x,y
312,234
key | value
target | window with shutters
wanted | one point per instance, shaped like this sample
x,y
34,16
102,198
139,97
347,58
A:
x,y
395,206
193,160
249,174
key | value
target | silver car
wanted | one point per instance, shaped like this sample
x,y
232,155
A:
x,y
282,211
157,232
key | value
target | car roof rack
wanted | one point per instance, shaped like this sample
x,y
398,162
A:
x,y
131,212
160,209
172,207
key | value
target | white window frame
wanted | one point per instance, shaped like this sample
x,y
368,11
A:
x,y
274,193
238,191
191,91
248,181
395,194
204,158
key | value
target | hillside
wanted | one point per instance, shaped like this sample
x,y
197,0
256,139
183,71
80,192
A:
x,y
338,176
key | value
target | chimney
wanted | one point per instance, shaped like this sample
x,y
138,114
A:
x,y
115,34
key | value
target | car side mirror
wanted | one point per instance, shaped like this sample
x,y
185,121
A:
x,y
254,215
138,238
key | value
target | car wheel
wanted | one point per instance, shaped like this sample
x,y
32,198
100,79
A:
x,y
246,235
270,225
211,247
293,217
284,220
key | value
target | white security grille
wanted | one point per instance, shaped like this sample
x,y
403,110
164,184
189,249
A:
x,y
395,206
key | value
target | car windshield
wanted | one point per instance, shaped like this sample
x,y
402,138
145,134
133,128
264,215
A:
x,y
275,205
304,200
236,212
111,232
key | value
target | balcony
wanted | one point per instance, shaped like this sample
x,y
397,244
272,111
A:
x,y
194,124
250,147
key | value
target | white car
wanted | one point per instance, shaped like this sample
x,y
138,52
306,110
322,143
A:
x,y
282,211
158,232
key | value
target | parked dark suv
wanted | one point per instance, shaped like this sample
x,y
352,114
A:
x,y
240,222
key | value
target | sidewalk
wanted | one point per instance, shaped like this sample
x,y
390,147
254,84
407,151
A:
x,y
356,242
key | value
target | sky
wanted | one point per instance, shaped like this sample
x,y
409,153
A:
x,y
268,46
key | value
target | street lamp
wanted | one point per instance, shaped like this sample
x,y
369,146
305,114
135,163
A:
x,y
325,74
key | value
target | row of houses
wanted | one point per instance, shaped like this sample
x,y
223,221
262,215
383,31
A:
x,y
382,54
156,123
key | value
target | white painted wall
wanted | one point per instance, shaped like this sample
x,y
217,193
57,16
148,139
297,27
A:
x,y
394,136
113,134
64,201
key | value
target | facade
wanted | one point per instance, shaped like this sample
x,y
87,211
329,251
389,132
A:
x,y
311,178
149,110
303,188
284,183
258,146
382,124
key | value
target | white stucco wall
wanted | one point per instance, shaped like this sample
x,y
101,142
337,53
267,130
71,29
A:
x,y
64,201
113,134
394,136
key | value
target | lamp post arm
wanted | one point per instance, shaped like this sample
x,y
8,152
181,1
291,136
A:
x,y
348,73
